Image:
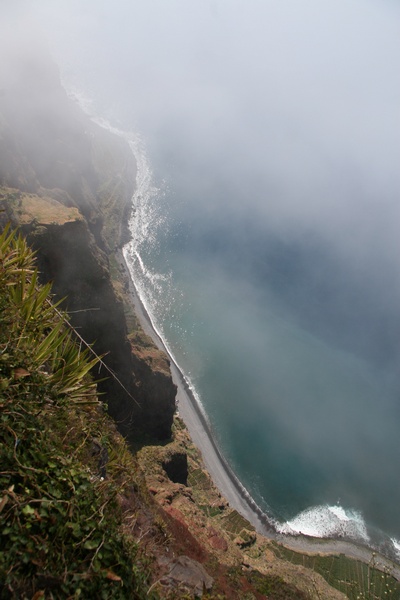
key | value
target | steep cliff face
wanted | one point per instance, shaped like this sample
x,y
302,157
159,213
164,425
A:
x,y
68,256
154,385
141,399
68,184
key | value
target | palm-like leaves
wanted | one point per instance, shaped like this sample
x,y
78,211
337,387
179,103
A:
x,y
37,333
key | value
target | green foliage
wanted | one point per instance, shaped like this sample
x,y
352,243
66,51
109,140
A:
x,y
210,511
61,530
199,479
34,341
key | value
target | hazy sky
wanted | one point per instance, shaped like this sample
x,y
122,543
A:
x,y
295,104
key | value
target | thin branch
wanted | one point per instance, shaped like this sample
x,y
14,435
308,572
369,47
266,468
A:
x,y
73,312
89,347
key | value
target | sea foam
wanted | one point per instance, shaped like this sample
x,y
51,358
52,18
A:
x,y
327,521
396,546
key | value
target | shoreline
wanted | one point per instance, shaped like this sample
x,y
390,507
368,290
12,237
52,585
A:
x,y
222,474
199,429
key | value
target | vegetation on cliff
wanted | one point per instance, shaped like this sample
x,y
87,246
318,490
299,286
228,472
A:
x,y
76,513
60,519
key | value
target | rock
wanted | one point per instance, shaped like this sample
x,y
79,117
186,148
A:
x,y
101,453
218,542
68,255
176,467
183,571
154,389
72,192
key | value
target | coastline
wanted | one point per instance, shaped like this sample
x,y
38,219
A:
x,y
223,476
198,427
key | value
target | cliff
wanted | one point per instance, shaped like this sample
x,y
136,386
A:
x,y
68,184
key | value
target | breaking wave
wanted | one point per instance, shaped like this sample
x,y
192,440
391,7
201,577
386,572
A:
x,y
327,522
155,289
396,546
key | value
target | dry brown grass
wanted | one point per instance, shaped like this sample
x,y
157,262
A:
x,y
44,211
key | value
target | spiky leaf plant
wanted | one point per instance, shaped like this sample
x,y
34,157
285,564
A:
x,y
34,331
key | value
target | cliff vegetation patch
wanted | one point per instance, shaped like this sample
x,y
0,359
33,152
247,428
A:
x,y
60,517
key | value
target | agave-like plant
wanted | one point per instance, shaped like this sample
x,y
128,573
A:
x,y
36,338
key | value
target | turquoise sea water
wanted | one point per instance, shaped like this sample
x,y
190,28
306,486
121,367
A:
x,y
294,371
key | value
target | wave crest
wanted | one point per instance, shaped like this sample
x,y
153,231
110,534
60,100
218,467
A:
x,y
326,522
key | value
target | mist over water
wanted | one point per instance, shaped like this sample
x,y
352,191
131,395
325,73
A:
x,y
303,419
266,233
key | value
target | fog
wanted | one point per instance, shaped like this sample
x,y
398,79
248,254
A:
x,y
294,104
301,99
276,127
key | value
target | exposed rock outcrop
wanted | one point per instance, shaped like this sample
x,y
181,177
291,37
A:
x,y
189,575
176,467
154,386
69,257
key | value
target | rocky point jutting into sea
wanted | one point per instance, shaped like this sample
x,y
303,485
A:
x,y
68,185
